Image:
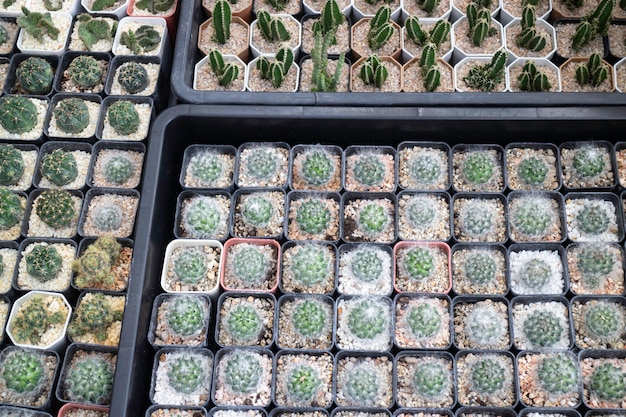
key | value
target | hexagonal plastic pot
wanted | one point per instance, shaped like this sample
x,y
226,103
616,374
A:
x,y
542,27
203,66
206,32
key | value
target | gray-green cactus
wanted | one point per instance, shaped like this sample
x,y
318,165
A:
x,y
373,218
202,218
532,216
185,315
558,374
487,376
11,165
186,373
543,328
141,41
90,379
257,210
303,382
604,321
313,216
536,273
94,29
317,168
71,115
425,169
35,75
431,379
242,372
38,25
362,385
190,266
260,163
244,323
608,382
484,325
310,264
155,6
18,114
94,268
418,263
593,219
477,220
309,318
94,316
588,161
206,166
250,265
366,265
366,319
421,212
108,217
532,171
533,79
33,319
423,320
480,268
118,169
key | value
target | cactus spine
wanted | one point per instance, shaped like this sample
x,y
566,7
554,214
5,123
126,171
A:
x,y
594,72
55,208
11,209
275,71
133,77
17,114
487,76
11,164
59,167
373,72
325,30
85,72
71,115
310,264
530,37
35,75
222,18
594,24
123,117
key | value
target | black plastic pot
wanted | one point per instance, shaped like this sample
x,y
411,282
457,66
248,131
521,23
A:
x,y
289,281
227,305
570,174
273,229
592,360
526,150
193,150
353,232
142,133
65,272
68,57
125,148
520,305
496,183
375,364
82,247
406,338
298,183
349,285
347,339
495,284
555,230
597,322
497,232
90,130
10,86
30,154
279,178
609,234
31,214
129,219
333,230
158,94
408,231
588,281
520,254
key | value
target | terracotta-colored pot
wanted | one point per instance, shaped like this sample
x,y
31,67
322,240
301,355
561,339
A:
x,y
171,17
358,53
410,244
207,25
272,284
73,406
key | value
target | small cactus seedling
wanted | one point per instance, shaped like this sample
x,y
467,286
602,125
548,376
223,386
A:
x,y
487,376
477,220
310,264
207,166
43,262
226,73
276,71
309,318
11,209
381,29
93,269
479,22
11,165
33,319
38,25
532,216
588,161
108,217
530,38
250,264
366,265
59,167
373,72
487,76
558,374
4,34
543,329
367,319
536,273
604,321
203,218
593,72
533,169
593,219
317,168
18,114
272,27
313,216
123,117
479,167
22,370
55,208
608,382
190,266
330,19
242,372
261,164
423,320
186,373
133,77
417,262
374,218
426,169
431,379
480,268
94,315
85,72
303,383
118,169
257,210
369,169
362,385
324,32
594,24
35,76
244,323
222,18
186,316
145,39
71,115
595,263
484,325
92,30
90,379
154,6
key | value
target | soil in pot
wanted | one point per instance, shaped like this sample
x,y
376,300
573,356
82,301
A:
x,y
423,217
34,37
599,323
476,169
595,269
587,166
591,220
54,213
595,84
364,381
316,168
308,268
246,321
369,220
51,312
536,272
57,277
11,29
517,72
486,379
243,377
479,270
249,266
305,322
565,33
532,169
391,83
370,170
541,325
259,214
482,325
98,319
364,323
422,322
182,377
112,214
117,168
205,217
414,80
192,268
364,269
209,167
128,47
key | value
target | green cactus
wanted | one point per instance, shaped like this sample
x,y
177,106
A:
x,y
425,169
479,22
133,77
22,370
536,273
310,264
108,217
321,79
431,379
421,212
145,39
477,220
250,264
71,115
604,321
261,163
225,73
94,316
593,219
93,29
90,379
85,72
428,6
276,71
244,323
4,34
480,268
43,262
100,5
17,114
588,161
595,23
530,37
242,372
573,4
11,165
532,216
487,376
558,374
94,268
123,117
533,79
362,385
154,6
532,171
222,18
373,72
118,169
35,75
317,167
484,325
33,318
486,77
59,167
11,209
608,382
330,19
257,210
381,29
369,169
595,263
55,208
366,319
543,328
206,166
38,25
423,320
313,216
272,28
479,167
186,373
191,265
366,264
432,78
185,316
373,218
203,218
593,72
309,318
437,35
303,382
418,262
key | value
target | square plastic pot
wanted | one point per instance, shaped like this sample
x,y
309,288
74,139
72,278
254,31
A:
x,y
365,269
144,106
424,267
364,323
57,48
378,366
123,201
303,155
479,269
133,23
317,335
591,362
52,128
544,207
11,85
82,156
468,163
193,207
358,228
495,230
299,277
611,230
108,150
271,153
35,227
597,321
258,213
588,165
156,74
520,156
245,319
271,257
481,323
62,81
554,315
66,249
301,222
204,155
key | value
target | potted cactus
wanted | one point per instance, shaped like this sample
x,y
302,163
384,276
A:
x,y
593,218
303,379
180,320
313,216
587,74
537,269
599,322
166,9
426,34
479,269
364,379
479,217
422,267
203,216
116,165
423,165
271,32
134,76
22,117
536,217
308,268
109,212
31,75
533,76
422,322
141,36
245,320
364,323
585,37
45,265
541,323
258,213
603,379
274,71
595,268
369,217
370,169
97,319
364,269
424,379
217,72
224,33
73,117
263,164
481,323
125,119
486,378
305,322
102,264
17,165
529,36
12,205
8,34
53,213
83,72
376,35
8,266
92,33
192,266
105,7
316,167
63,165
532,167
376,74
329,25
478,33
43,33
587,165
424,216
482,74
477,169
250,265
211,166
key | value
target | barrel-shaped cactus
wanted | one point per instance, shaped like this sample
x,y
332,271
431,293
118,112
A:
x,y
85,72
123,117
133,77
18,114
35,75
71,115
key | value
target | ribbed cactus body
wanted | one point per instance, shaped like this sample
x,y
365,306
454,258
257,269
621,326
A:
x,y
11,210
71,115
18,114
35,75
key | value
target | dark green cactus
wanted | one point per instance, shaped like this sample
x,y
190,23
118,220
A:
x,y
604,321
558,374
94,29
244,323
594,24
366,319
373,72
311,264
43,262
145,39
486,77
4,34
309,318
317,167
530,37
479,167
275,71
59,167
543,328
38,25
432,78
272,27
226,73
85,72
429,55
186,373
55,208
22,370
154,6
479,22
242,372
222,18
423,320
431,379
313,216
11,209
100,5
593,72
118,169
303,382
373,218
35,75
532,216
487,376
11,165
414,30
133,77
90,379
480,268
588,161
381,29
428,6
366,264
608,382
94,316
593,219
186,316
17,114
71,115
533,79
33,319
330,19
123,117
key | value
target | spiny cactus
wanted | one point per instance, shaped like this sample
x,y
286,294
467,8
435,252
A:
x,y
425,169
558,374
118,169
532,216
272,27
93,269
428,6
17,114
330,19
303,382
595,263
226,73
604,321
244,323
366,319
480,268
593,219
484,326
588,161
35,75
532,170
145,39
11,209
22,370
257,210
530,38
59,167
85,72
33,318
242,372
276,71
317,167
190,266
313,216
186,373
543,328
55,208
477,220
261,163
38,25
324,32
90,379
608,382
437,35
108,217
417,262
206,166
71,115
431,379
310,264
309,318
94,316
362,385
423,320
533,79
594,24
4,34
369,169
222,18
381,29
250,264
11,164
94,29
185,316
478,167
133,77
43,262
487,376
373,72
154,6
373,218
593,72
486,77
366,264
536,273
203,217
123,117
479,22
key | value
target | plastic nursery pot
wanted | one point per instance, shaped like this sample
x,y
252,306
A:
x,y
76,44
369,217
545,411
193,207
620,160
118,9
302,221
63,83
364,269
422,321
463,46
7,49
36,227
152,66
360,47
306,79
57,126
312,7
364,323
299,272
526,314
375,369
570,84
265,253
255,82
181,320
478,168
170,15
393,67
479,217
544,207
588,165
156,410
595,268
522,159
71,408
479,269
204,78
304,364
422,267
262,164
257,310
108,168
360,161
513,28
515,70
238,29
27,43
485,411
434,412
296,334
179,275
143,106
65,248
51,335
364,9
537,269
208,166
119,263
286,411
109,212
605,205
513,9
565,30
133,23
598,321
462,69
28,155
304,157
413,376
11,84
601,365
413,79
442,10
424,166
460,6
36,132
107,331
29,413
619,71
181,376
258,213
9,254
80,153
261,46
481,322
424,216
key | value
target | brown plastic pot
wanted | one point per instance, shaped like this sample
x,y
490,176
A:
x,y
73,406
171,17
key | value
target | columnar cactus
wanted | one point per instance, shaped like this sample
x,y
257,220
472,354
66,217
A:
x,y
366,265
35,75
123,117
92,30
94,316
532,79
487,76
313,216
276,71
479,22
226,73
59,167
437,35
272,28
593,219
381,29
11,209
118,169
222,18
43,262
11,165
324,36
543,328
55,208
133,77
604,321
418,262
90,379
33,319
431,379
532,216
428,6
18,114
186,373
22,370
203,217
244,323
185,316
366,319
530,37
71,115
242,372
608,382
593,72
309,318
532,170
190,266
373,72
303,382
594,24
38,25
423,320
311,264
85,72
480,268
558,374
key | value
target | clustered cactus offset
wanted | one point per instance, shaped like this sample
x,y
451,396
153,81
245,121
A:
x,y
594,24
531,78
141,41
530,37
479,22
487,76
94,268
593,72
94,316
225,73
373,72
272,27
33,318
276,70
381,29
324,32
